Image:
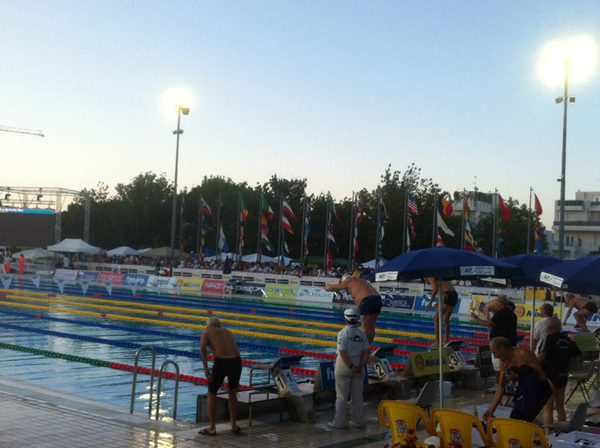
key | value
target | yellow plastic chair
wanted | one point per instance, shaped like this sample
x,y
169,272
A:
x,y
456,426
514,433
399,417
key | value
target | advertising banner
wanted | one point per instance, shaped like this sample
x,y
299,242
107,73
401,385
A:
x,y
91,276
314,295
157,282
281,292
213,286
115,277
428,363
401,301
190,284
65,275
249,289
421,302
138,280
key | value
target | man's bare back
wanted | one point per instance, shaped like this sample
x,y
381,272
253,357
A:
x,y
578,302
356,287
221,342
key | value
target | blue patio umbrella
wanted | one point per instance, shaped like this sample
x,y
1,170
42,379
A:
x,y
443,263
581,276
531,265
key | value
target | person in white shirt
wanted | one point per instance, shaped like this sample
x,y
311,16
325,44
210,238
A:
x,y
66,262
539,330
353,352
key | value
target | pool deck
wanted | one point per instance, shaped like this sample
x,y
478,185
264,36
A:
x,y
43,418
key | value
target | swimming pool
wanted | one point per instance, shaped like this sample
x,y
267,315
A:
x,y
82,344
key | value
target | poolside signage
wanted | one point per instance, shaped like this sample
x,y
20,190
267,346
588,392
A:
x,y
90,276
401,301
138,280
551,279
281,292
115,278
476,270
68,275
213,286
428,363
314,295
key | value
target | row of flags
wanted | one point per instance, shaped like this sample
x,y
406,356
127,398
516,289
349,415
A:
x,y
502,213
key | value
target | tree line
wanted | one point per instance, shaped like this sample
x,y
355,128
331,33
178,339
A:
x,y
139,215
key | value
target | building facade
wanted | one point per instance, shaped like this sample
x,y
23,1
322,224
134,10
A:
x,y
582,225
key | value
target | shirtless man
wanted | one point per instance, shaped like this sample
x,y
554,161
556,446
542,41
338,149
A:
x,y
227,363
365,298
585,308
533,390
450,298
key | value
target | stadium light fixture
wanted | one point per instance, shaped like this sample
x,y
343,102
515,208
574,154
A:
x,y
559,61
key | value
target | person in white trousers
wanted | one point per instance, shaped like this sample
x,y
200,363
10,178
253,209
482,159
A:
x,y
353,352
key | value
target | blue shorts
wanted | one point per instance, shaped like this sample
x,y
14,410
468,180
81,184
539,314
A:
x,y
370,305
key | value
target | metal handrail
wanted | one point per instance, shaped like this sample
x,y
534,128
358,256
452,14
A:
x,y
160,372
134,381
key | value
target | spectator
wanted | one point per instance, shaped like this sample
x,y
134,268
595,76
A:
x,y
539,330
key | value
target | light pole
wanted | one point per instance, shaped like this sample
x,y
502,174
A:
x,y
561,225
178,132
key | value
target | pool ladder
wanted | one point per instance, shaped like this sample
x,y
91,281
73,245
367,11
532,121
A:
x,y
160,375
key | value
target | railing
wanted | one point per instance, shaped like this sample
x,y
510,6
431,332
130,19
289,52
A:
x,y
134,381
579,223
162,368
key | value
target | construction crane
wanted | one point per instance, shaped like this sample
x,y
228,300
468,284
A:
x,y
22,131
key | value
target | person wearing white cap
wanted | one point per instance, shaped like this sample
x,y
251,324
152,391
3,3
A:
x,y
353,352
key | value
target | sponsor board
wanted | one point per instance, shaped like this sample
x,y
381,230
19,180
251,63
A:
x,y
281,292
190,284
68,275
401,301
45,272
551,279
213,286
315,295
162,282
294,281
476,270
386,276
249,289
421,302
91,276
477,303
135,280
428,363
464,306
115,277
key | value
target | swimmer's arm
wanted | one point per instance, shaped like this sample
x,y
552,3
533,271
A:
x,y
569,311
204,353
499,393
339,287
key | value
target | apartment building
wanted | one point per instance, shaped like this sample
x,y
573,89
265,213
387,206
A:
x,y
582,225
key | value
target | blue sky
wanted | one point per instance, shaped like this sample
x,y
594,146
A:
x,y
330,91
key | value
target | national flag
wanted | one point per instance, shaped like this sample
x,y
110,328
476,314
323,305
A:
x,y
410,226
265,241
538,206
358,212
205,208
383,210
244,210
469,241
288,210
331,239
332,209
222,241
442,224
506,212
439,241
264,226
355,242
306,228
267,208
329,259
447,208
412,205
286,224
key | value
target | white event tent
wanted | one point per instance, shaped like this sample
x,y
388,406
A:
x,y
34,254
75,246
122,251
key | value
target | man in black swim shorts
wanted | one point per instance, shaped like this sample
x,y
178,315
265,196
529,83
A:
x,y
556,353
449,300
365,297
585,308
227,364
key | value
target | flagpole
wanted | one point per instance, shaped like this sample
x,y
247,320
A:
x,y
464,217
495,223
529,221
260,211
199,223
378,228
303,230
405,227
327,225
239,221
435,219
351,239
218,249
